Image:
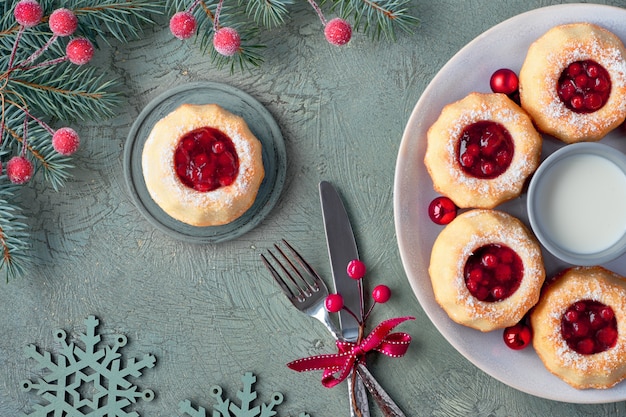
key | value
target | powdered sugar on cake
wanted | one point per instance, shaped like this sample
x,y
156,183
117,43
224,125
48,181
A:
x,y
610,58
520,166
216,206
514,238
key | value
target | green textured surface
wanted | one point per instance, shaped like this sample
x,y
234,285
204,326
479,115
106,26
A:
x,y
210,313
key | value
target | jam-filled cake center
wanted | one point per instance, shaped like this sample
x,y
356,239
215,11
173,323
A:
x,y
589,327
485,149
584,86
493,272
205,159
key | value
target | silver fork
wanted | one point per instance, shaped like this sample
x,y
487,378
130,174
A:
x,y
301,284
307,292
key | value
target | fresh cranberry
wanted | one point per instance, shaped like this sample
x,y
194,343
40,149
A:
x,y
589,327
356,269
381,294
485,149
504,81
517,337
199,167
584,86
442,210
493,272
334,303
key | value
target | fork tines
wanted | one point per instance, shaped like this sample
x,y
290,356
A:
x,y
298,279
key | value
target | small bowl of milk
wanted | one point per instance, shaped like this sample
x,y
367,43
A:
x,y
577,203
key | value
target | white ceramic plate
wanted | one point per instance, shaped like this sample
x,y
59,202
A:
x,y
503,46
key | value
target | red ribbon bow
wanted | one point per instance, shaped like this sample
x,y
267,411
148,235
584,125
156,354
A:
x,y
380,339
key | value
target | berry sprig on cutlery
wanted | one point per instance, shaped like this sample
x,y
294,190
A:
x,y
339,365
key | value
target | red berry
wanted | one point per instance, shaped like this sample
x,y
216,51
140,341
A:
x,y
356,269
607,313
589,327
63,22
489,260
485,149
493,272
584,86
442,210
334,303
585,346
517,337
183,25
199,166
381,294
338,32
79,51
65,141
504,81
227,41
28,13
19,170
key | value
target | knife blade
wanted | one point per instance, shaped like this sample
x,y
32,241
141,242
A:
x,y
341,250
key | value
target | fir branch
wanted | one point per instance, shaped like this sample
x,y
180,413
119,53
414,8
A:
x,y
232,15
66,91
38,84
121,19
38,148
267,13
377,18
13,232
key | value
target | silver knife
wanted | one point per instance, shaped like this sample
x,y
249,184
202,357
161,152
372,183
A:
x,y
341,250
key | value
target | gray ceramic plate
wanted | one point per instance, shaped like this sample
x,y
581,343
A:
x,y
260,122
504,45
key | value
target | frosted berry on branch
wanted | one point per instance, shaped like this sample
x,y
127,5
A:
x,y
28,13
65,141
19,170
338,32
79,51
227,41
183,25
63,22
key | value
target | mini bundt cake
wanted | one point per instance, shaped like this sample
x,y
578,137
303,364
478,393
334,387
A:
x,y
202,165
486,269
573,82
481,150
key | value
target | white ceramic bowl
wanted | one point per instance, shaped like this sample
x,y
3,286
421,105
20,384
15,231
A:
x,y
577,203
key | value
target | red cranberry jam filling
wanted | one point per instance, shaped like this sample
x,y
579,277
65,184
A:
x,y
493,272
485,149
205,159
589,327
584,86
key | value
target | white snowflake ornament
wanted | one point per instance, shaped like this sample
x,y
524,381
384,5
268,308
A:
x,y
246,408
87,382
